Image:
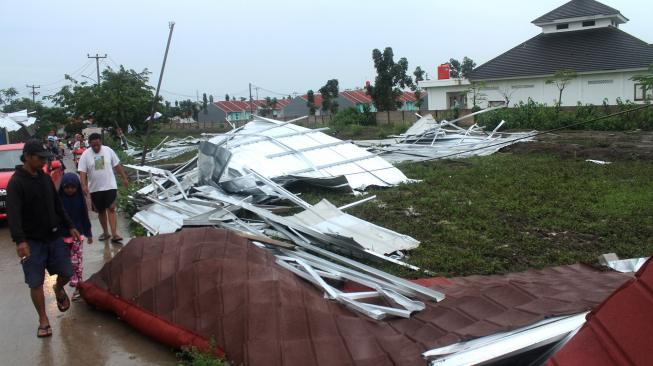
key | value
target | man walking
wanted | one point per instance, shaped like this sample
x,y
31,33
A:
x,y
35,212
96,174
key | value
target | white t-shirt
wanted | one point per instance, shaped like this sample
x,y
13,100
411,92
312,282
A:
x,y
99,168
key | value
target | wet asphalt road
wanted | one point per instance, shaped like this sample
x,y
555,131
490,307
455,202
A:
x,y
82,335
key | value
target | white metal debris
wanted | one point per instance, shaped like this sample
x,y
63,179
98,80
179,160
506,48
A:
x,y
499,346
16,120
285,152
428,139
599,162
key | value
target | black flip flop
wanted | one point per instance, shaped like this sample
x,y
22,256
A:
x,y
116,240
46,328
63,302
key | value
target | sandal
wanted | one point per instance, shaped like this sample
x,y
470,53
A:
x,y
104,237
116,239
44,331
63,302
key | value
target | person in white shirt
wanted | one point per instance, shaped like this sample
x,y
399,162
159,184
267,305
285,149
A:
x,y
96,167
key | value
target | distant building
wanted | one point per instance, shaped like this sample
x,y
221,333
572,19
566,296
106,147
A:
x,y
581,35
235,110
349,99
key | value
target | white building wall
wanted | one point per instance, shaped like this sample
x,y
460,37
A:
x,y
577,25
589,88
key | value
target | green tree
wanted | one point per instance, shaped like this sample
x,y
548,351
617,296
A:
x,y
226,97
123,98
211,98
268,108
7,95
454,68
419,76
466,67
329,94
647,82
205,103
390,79
561,78
476,91
310,102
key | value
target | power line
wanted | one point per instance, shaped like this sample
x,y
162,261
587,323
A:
x,y
34,92
97,58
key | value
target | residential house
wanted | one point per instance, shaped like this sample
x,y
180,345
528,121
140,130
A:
x,y
581,35
235,110
350,99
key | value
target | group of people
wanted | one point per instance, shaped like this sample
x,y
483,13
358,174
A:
x,y
49,227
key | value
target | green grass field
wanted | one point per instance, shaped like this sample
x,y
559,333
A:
x,y
506,212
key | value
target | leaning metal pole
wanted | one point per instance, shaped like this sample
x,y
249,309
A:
x,y
156,96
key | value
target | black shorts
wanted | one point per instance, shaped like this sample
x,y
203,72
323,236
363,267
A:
x,y
103,199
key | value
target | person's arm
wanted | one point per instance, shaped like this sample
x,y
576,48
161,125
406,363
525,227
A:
x,y
83,181
15,211
119,168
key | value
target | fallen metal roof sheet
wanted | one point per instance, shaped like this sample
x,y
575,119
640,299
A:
x,y
218,284
283,151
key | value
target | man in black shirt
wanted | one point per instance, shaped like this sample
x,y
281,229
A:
x,y
34,212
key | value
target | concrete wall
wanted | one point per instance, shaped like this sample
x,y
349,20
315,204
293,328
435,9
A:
x,y
588,88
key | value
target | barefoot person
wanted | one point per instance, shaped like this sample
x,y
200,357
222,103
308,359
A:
x,y
35,212
96,167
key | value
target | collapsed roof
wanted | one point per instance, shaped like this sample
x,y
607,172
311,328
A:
x,y
214,283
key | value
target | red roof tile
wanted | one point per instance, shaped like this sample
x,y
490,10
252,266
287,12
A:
x,y
357,96
240,106
316,97
617,332
217,284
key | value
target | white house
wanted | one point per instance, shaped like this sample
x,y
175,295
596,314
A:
x,y
581,35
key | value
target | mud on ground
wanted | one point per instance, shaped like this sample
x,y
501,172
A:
x,y
597,145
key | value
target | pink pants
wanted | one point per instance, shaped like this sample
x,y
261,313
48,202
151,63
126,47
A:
x,y
75,251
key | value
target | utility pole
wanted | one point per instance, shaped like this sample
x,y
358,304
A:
x,y
257,88
34,92
171,25
251,105
97,58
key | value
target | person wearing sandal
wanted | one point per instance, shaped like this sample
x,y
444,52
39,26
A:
x,y
96,167
34,213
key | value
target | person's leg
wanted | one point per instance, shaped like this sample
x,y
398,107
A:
x,y
59,263
98,200
111,212
34,271
102,216
38,299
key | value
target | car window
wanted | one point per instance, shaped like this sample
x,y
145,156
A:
x,y
9,159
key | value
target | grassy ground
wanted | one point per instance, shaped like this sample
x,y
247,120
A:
x,y
506,212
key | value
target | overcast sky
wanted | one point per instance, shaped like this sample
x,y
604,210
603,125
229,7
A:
x,y
283,46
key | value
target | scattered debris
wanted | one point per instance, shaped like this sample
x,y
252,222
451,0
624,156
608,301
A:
x,y
16,120
599,162
428,139
165,150
622,265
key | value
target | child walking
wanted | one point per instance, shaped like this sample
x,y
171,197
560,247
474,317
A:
x,y
74,203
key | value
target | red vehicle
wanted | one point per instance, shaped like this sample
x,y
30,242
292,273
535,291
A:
x,y
9,158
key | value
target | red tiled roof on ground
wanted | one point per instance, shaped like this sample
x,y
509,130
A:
x,y
214,283
617,332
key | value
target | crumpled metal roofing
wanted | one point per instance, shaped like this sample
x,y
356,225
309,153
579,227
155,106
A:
x,y
220,285
284,151
16,120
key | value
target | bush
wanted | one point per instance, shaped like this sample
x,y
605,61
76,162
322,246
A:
x,y
533,115
351,116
